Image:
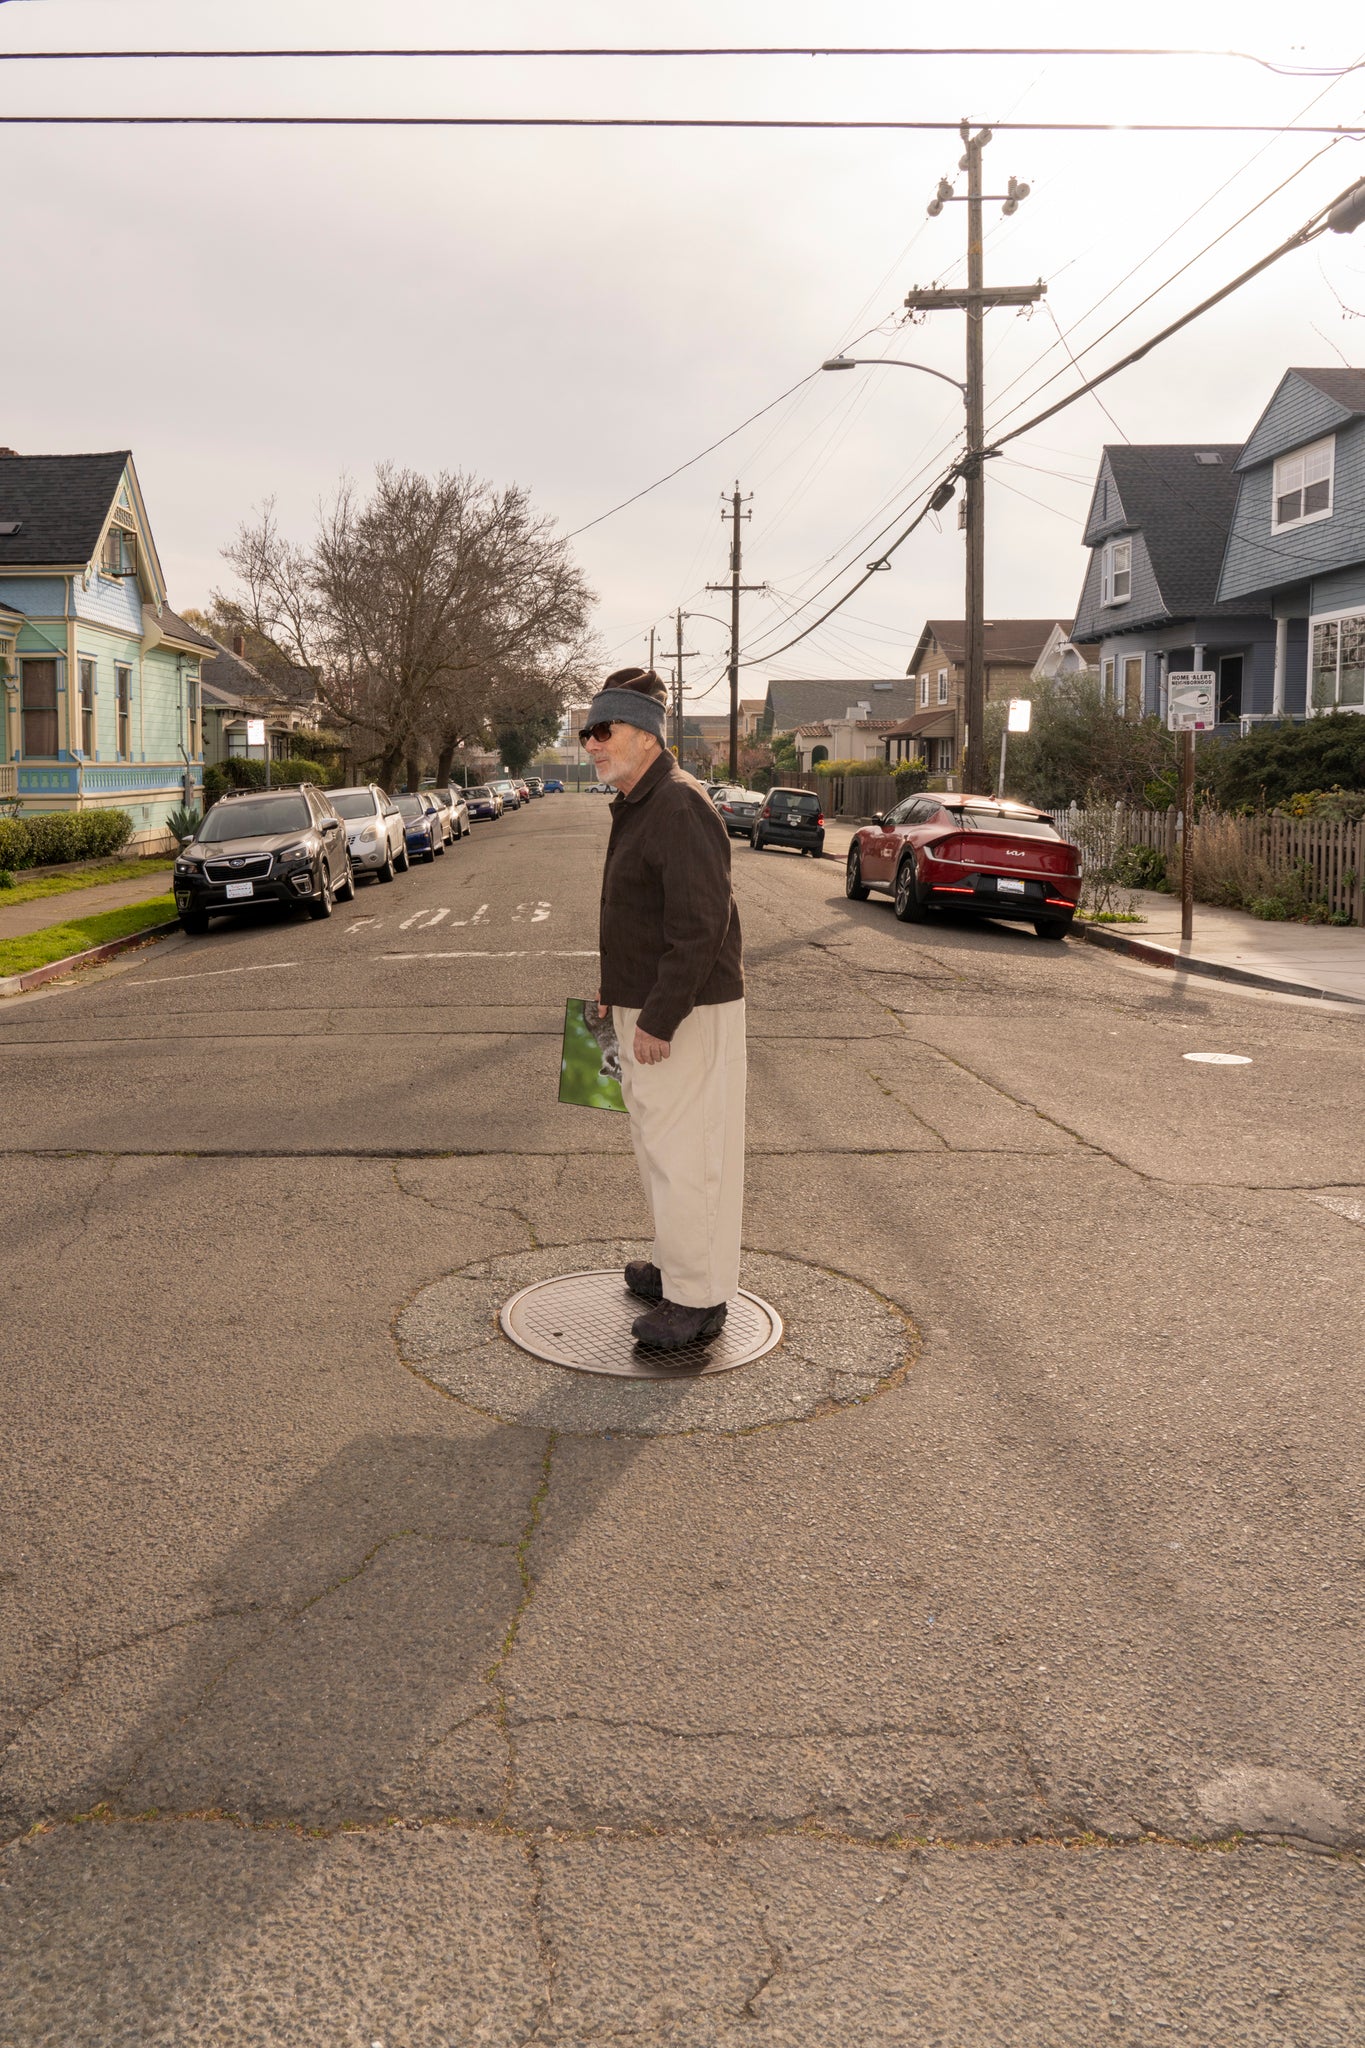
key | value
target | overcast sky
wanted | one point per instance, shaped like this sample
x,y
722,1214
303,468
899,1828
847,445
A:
x,y
255,311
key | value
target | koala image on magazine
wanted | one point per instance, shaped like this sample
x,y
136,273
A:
x,y
590,1064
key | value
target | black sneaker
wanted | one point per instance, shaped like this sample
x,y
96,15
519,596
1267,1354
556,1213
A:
x,y
645,1280
671,1327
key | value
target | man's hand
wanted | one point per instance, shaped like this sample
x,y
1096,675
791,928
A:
x,y
649,1051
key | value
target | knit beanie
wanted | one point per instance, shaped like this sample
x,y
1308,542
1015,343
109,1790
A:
x,y
632,696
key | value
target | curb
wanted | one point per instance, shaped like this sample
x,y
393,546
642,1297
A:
x,y
1215,970
16,984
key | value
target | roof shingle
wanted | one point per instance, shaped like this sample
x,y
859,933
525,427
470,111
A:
x,y
60,503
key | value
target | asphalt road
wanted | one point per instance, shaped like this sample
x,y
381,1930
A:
x,y
1017,1702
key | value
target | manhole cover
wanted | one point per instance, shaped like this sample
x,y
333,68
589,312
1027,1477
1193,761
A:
x,y
583,1320
841,1344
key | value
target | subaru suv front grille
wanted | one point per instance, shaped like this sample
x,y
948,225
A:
x,y
239,867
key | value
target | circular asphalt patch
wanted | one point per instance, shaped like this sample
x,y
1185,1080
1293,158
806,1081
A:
x,y
841,1344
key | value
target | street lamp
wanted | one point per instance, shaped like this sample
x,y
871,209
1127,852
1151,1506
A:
x,y
842,362
715,622
892,363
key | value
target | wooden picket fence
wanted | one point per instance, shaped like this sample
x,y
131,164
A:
x,y
1330,855
848,796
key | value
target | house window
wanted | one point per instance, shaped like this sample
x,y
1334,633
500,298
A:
x,y
38,702
118,555
943,686
1107,680
1303,486
924,692
123,696
192,697
1116,572
1338,666
1131,706
87,673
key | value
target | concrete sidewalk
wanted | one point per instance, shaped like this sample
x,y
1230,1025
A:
x,y
1327,958
36,916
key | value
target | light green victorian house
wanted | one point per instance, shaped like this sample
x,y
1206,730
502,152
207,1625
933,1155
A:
x,y
101,679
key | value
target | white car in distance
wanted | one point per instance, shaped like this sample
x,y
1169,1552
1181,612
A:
x,y
374,830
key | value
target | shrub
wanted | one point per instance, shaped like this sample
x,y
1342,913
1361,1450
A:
x,y
1227,868
1140,867
1078,746
6,878
104,831
289,774
54,836
878,767
234,773
1334,806
16,848
909,776
1274,762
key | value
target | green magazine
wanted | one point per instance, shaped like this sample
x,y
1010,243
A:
x,y
590,1064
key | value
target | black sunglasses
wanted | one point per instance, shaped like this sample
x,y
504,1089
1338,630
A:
x,y
600,731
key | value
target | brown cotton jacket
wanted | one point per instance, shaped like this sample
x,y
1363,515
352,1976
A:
x,y
670,929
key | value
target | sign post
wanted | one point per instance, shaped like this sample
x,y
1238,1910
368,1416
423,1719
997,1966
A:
x,y
256,737
1017,719
1189,709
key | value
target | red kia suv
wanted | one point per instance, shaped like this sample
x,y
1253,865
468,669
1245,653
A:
x,y
972,853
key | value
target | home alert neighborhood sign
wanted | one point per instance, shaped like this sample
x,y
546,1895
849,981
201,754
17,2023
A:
x,y
1189,700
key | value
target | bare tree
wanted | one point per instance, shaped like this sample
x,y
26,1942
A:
x,y
422,610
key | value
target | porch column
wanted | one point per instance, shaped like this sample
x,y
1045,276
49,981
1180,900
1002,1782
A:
x,y
1281,665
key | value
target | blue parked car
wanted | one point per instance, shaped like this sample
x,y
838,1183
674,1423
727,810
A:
x,y
553,786
483,802
422,828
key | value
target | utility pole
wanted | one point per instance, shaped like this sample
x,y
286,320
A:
x,y
734,586
975,302
680,655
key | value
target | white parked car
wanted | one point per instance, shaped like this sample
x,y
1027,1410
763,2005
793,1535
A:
x,y
374,831
451,798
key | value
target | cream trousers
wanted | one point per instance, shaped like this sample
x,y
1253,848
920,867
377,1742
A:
x,y
687,1127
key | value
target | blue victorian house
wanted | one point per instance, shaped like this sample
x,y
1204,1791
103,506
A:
x,y
1157,531
1297,539
101,679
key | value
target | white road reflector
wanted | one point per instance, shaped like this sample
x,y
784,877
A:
x,y
1217,1059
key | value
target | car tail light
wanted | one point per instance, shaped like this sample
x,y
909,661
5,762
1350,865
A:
x,y
819,817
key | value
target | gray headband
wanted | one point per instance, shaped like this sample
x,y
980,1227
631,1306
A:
x,y
628,707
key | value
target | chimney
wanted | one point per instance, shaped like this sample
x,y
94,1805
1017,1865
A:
x,y
9,451
239,644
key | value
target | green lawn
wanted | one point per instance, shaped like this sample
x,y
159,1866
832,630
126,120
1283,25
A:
x,y
57,941
88,875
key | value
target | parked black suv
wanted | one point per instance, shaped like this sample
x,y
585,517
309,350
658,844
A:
x,y
790,817
263,846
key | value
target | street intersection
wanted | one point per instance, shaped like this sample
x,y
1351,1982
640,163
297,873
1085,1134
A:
x,y
1009,1695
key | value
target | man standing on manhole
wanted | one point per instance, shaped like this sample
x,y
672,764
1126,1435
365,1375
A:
x,y
673,974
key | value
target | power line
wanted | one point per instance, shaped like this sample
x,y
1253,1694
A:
x,y
1312,228
804,50
664,121
692,459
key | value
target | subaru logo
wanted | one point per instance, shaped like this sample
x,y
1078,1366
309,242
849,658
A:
x,y
237,861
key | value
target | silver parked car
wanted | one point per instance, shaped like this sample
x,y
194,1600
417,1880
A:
x,y
451,798
374,831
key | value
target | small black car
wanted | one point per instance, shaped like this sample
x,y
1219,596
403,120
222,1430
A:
x,y
790,817
263,846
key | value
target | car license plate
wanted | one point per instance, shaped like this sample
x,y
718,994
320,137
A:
x,y
240,889
1007,885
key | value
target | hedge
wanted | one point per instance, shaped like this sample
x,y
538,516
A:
x,y
57,836
235,773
